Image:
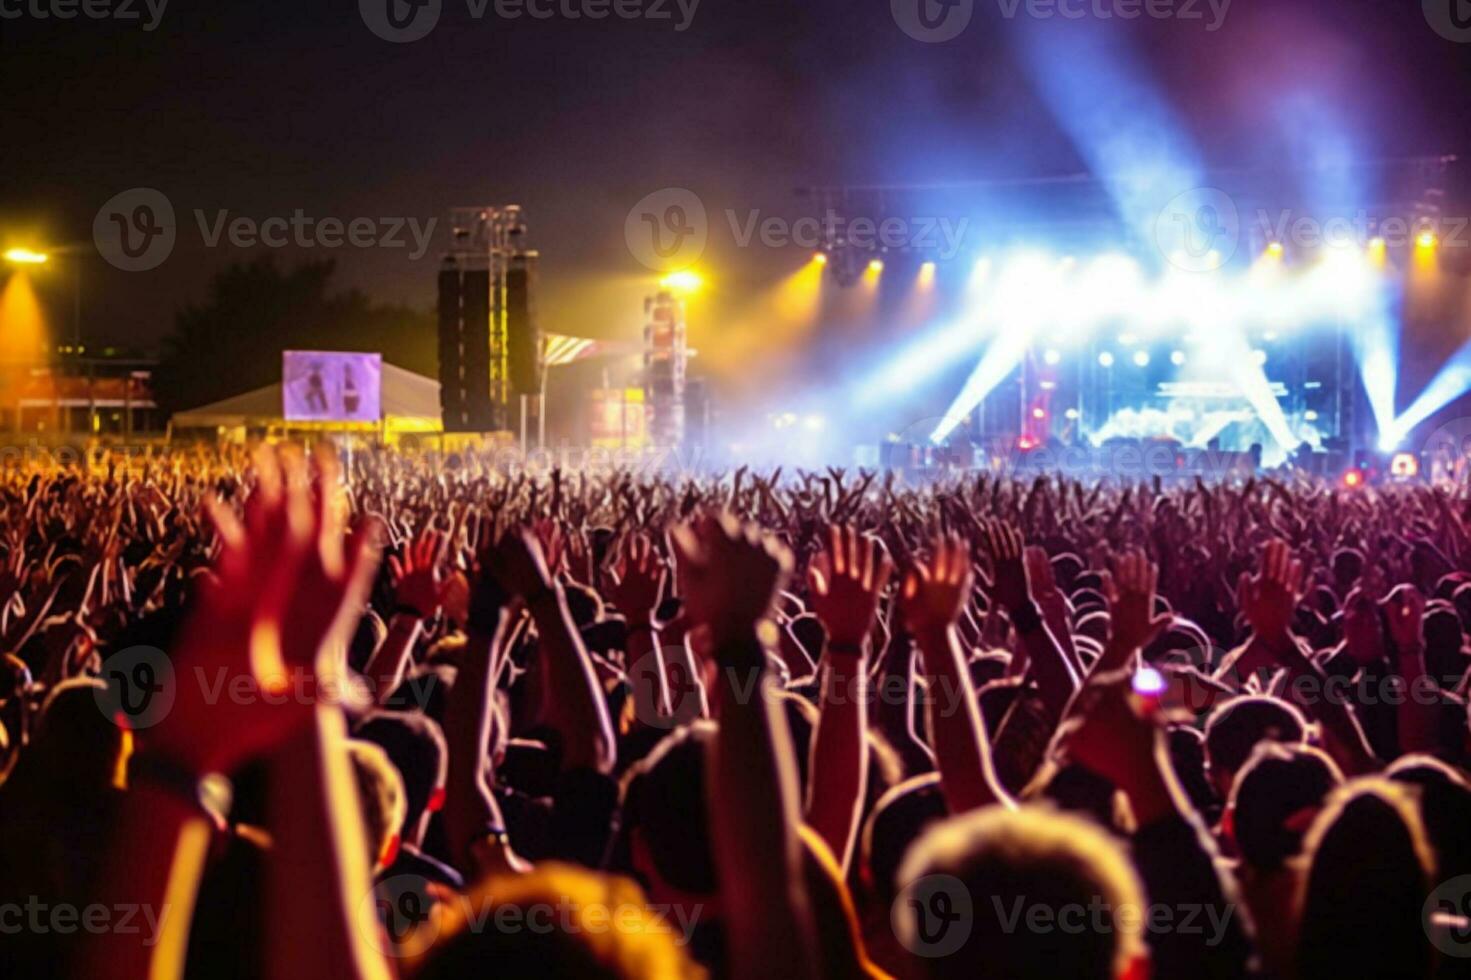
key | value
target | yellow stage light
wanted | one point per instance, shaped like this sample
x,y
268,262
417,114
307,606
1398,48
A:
x,y
1274,249
1426,239
875,266
684,281
25,256
820,258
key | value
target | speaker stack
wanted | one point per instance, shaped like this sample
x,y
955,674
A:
x,y
464,348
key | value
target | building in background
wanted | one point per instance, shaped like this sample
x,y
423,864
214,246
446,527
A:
x,y
83,391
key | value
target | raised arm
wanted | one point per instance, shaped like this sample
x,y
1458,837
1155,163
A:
x,y
1048,661
845,582
637,585
1115,734
418,591
281,597
732,577
1268,600
472,819
1418,713
572,702
932,595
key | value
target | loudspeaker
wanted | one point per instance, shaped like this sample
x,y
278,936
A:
x,y
523,334
475,308
451,368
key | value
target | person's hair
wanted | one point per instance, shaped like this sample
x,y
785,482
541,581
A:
x,y
1014,859
835,919
416,747
899,817
1186,746
1277,795
1445,809
1235,728
381,792
425,689
664,803
568,922
75,750
1367,879
802,724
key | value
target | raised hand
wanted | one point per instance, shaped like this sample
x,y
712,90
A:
x,y
1003,542
1040,577
935,590
846,581
418,586
1269,598
1108,733
284,553
1130,592
336,567
640,579
732,574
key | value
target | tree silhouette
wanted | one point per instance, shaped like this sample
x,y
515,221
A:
x,y
232,343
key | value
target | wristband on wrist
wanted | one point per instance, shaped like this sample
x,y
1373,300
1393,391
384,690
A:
x,y
210,792
404,609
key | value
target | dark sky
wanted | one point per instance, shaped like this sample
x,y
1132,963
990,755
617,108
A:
x,y
266,107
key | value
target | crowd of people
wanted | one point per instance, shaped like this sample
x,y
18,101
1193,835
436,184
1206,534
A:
x,y
295,713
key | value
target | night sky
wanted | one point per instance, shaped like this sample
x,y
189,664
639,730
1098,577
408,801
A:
x,y
264,108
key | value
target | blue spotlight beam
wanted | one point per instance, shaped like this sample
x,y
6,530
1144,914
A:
x,y
1000,359
1450,382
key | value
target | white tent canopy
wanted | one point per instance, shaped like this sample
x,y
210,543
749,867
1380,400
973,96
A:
x,y
410,402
